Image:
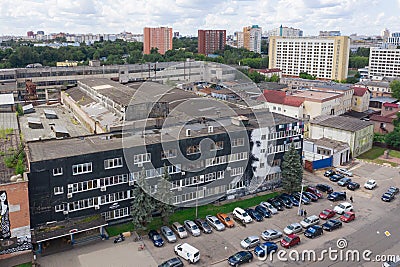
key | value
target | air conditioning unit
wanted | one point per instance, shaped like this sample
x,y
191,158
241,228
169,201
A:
x,y
179,188
210,129
183,173
228,168
69,195
131,183
140,165
103,188
188,132
202,176
97,207
65,212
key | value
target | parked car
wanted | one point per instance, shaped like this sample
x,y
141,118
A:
x,y
203,226
370,184
310,221
291,198
311,196
395,262
250,242
214,222
265,248
240,257
327,214
343,207
336,196
292,228
254,215
348,216
314,231
283,205
344,181
290,241
286,201
263,211
271,234
336,177
331,225
225,219
155,237
393,189
344,171
324,188
192,228
315,191
188,252
174,262
271,208
179,230
242,215
329,173
353,186
276,204
304,200
387,196
168,234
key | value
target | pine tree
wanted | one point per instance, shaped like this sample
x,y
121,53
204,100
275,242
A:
x,y
142,204
292,170
164,197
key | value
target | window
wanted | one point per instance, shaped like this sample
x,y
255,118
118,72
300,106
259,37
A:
x,y
81,168
57,171
237,171
217,145
263,137
113,163
169,153
58,190
193,149
59,208
141,158
237,156
238,142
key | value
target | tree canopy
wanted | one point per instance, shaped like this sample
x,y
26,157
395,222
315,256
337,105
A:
x,y
292,170
395,88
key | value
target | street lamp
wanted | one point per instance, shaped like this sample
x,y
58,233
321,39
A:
x,y
197,198
301,197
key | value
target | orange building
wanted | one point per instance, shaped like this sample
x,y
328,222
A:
x,y
160,38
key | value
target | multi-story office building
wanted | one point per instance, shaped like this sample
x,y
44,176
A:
x,y
394,39
286,32
324,57
252,38
329,33
384,63
160,38
211,41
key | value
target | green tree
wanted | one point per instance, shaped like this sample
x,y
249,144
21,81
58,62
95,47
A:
x,y
395,88
305,75
393,138
292,170
164,198
142,204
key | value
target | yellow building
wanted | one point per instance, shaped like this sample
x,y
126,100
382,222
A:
x,y
67,64
323,57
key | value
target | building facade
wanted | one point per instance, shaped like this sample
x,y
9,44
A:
x,y
319,149
384,63
323,57
210,41
286,32
361,97
252,38
160,38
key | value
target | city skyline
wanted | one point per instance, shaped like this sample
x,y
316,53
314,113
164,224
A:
x,y
187,16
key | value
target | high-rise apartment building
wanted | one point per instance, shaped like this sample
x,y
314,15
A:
x,y
286,32
239,39
160,38
211,41
384,62
394,39
252,38
323,57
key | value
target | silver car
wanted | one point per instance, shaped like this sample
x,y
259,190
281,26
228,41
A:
x,y
292,228
192,228
271,234
250,242
168,234
214,222
271,208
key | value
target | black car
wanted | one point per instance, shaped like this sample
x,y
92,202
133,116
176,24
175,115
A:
x,y
254,215
263,211
353,186
294,200
203,226
344,181
275,203
304,199
324,188
329,173
174,262
156,238
311,196
240,258
313,231
331,225
393,189
387,197
336,196
285,201
336,177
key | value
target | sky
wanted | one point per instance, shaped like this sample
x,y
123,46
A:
x,y
364,17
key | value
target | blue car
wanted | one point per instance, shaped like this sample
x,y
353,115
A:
x,y
263,211
240,257
156,238
291,198
266,247
254,215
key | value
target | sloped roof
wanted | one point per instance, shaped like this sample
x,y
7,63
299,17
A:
x,y
359,91
392,105
340,122
380,118
280,97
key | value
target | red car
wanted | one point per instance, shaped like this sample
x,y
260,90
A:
x,y
348,216
327,214
315,191
290,241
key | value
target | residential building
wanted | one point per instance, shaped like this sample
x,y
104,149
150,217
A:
x,y
270,72
358,134
329,33
383,122
384,62
378,88
286,32
160,38
210,41
239,39
324,57
279,102
394,39
361,97
376,103
252,38
315,150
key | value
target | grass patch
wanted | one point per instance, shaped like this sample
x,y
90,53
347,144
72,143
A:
x,y
381,161
394,153
28,264
114,230
374,153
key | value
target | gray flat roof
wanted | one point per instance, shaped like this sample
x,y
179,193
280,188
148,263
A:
x,y
329,143
8,120
50,112
34,120
342,123
6,99
384,99
27,107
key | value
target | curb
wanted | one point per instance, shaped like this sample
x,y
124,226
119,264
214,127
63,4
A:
x,y
373,163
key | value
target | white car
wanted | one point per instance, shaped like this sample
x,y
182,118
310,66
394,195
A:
x,y
192,228
344,171
343,207
271,234
242,215
310,221
250,242
271,208
214,222
370,184
292,228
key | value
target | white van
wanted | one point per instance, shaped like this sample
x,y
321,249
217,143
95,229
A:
x,y
188,252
